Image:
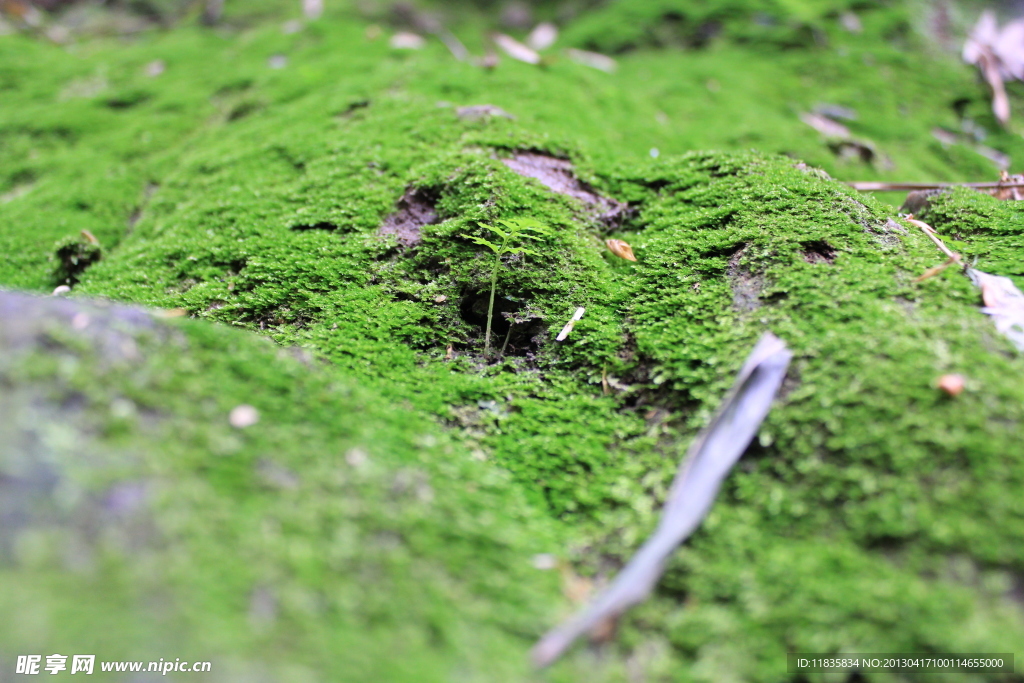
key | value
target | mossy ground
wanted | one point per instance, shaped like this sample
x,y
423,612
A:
x,y
873,514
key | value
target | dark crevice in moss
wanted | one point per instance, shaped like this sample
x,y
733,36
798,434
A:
x,y
818,251
352,108
416,208
320,225
74,256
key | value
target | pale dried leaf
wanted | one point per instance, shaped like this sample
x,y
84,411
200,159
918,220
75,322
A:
x,y
312,9
621,249
404,40
708,461
453,44
826,126
1009,49
569,325
984,33
851,22
1004,302
542,36
999,54
516,50
479,111
1000,101
595,60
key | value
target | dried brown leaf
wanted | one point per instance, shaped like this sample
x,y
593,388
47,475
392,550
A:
x,y
621,249
951,384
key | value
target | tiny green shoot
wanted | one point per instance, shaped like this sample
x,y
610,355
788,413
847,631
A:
x,y
514,230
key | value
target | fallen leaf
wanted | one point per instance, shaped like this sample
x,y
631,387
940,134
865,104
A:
x,y
516,50
404,40
542,36
453,44
1003,302
489,60
621,249
999,54
826,126
951,384
595,60
479,111
312,9
1012,190
170,312
1001,160
835,111
243,416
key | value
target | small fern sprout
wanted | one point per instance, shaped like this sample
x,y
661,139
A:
x,y
513,231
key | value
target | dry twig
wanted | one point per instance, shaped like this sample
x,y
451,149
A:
x,y
708,461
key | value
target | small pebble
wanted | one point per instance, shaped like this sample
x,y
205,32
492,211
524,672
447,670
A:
x,y
243,416
277,62
61,290
155,68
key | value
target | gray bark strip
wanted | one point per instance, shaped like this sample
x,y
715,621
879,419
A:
x,y
708,461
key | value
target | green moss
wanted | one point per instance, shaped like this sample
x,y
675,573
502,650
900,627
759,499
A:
x,y
874,513
987,230
325,537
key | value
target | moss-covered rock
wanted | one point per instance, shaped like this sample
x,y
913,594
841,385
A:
x,y
326,205
139,523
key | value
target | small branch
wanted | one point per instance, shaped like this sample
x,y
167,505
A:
x,y
708,461
501,354
569,325
930,231
871,186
